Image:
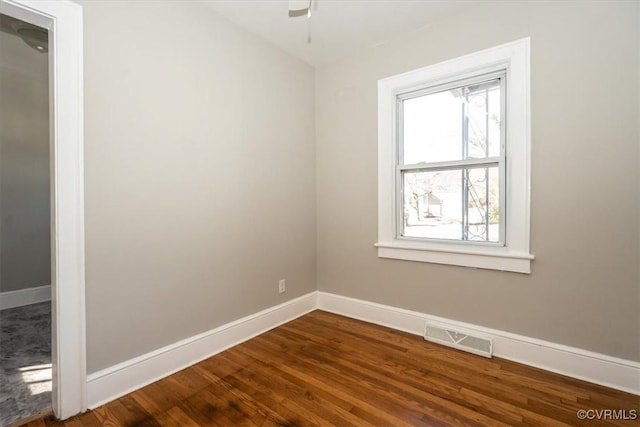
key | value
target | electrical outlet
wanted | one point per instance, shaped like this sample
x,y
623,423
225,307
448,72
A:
x,y
281,286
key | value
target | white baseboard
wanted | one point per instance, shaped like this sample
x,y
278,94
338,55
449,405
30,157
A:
x,y
12,299
597,368
115,381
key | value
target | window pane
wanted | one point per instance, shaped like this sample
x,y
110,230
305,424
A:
x,y
432,128
459,204
455,124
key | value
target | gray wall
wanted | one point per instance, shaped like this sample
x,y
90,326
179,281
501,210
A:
x,y
199,175
584,290
201,192
24,166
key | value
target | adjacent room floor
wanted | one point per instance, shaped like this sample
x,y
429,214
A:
x,y
25,362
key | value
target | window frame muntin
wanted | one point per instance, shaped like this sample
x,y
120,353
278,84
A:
x,y
399,226
427,89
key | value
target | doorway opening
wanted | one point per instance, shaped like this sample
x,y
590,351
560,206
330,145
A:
x,y
62,19
25,232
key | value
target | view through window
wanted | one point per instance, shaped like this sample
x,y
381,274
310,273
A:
x,y
451,161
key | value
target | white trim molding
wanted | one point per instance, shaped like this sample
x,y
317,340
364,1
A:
x,y
515,262
22,297
115,381
63,19
585,365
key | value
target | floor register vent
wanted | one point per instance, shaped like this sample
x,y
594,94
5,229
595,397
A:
x,y
457,338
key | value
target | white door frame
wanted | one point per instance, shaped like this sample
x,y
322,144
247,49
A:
x,y
63,19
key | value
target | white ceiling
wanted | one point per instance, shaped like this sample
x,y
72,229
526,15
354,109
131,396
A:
x,y
338,27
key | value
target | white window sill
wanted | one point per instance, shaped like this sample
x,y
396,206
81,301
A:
x,y
492,258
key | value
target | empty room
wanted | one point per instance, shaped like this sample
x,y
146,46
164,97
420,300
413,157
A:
x,y
320,212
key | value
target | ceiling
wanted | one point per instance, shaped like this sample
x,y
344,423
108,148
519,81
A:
x,y
16,56
338,27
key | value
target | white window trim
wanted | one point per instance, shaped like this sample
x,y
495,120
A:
x,y
514,255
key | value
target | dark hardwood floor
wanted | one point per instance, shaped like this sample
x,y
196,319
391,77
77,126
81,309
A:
x,y
324,369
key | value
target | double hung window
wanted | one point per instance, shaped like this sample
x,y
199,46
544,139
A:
x,y
454,161
451,161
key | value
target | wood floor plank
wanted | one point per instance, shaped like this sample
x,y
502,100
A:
x,y
262,399
135,413
165,420
51,421
316,405
205,411
181,418
487,403
340,391
416,404
88,419
450,361
231,407
156,398
107,416
259,386
361,365
323,369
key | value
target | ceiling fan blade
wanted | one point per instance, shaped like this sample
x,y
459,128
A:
x,y
299,7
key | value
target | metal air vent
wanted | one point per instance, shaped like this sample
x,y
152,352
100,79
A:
x,y
462,340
